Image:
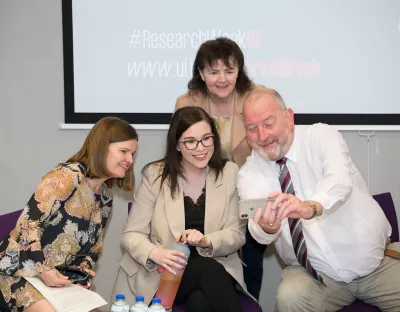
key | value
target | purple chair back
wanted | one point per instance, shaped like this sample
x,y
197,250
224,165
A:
x,y
8,222
248,304
386,202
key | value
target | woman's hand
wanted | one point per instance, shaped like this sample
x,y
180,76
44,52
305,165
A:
x,y
168,258
89,283
196,238
54,278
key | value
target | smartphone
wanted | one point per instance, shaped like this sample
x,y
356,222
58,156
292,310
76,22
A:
x,y
248,207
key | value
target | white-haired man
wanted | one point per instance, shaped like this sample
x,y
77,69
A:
x,y
325,225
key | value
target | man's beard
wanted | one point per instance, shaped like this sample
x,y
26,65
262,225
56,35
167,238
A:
x,y
276,153
272,155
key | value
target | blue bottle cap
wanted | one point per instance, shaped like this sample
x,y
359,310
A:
x,y
156,300
139,298
120,297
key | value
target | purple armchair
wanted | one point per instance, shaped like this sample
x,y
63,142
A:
x,y
248,304
7,223
386,202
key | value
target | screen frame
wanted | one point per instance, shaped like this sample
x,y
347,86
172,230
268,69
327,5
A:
x,y
72,117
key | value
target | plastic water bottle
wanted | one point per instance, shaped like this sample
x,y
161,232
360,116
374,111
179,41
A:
x,y
139,306
156,305
169,283
120,304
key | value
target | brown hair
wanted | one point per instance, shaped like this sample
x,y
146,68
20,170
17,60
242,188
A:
x,y
171,165
94,151
209,53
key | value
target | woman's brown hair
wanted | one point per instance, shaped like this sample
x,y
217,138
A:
x,y
209,53
171,165
94,151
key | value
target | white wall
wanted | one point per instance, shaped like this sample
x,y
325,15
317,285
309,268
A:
x,y
31,108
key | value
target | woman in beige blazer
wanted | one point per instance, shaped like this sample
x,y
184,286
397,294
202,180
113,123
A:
x,y
190,192
219,85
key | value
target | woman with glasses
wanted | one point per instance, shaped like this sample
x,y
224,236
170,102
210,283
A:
x,y
219,85
191,192
64,220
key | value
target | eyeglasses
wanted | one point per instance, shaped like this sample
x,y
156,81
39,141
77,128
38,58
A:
x,y
192,144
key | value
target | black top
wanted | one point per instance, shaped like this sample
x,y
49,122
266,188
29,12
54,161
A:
x,y
194,215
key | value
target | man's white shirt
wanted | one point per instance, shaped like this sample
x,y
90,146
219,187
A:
x,y
348,240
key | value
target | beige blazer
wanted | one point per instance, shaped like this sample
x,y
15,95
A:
x,y
156,219
240,149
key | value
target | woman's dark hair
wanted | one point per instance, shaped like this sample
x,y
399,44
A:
x,y
92,155
209,53
171,164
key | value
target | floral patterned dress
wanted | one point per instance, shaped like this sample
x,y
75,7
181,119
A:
x,y
63,217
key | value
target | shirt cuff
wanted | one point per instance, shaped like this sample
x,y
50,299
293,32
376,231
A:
x,y
259,235
151,265
205,252
326,202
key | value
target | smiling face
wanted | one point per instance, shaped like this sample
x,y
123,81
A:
x,y
220,79
120,158
269,128
199,157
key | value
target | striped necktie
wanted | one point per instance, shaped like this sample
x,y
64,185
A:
x,y
296,228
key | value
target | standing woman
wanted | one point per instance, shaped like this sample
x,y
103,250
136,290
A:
x,y
66,216
219,85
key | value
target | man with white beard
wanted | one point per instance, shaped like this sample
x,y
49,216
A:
x,y
326,227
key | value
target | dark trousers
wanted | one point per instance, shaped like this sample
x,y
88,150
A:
x,y
252,256
207,287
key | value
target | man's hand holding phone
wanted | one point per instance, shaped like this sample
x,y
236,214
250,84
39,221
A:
x,y
279,207
248,207
269,212
267,219
292,207
262,211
